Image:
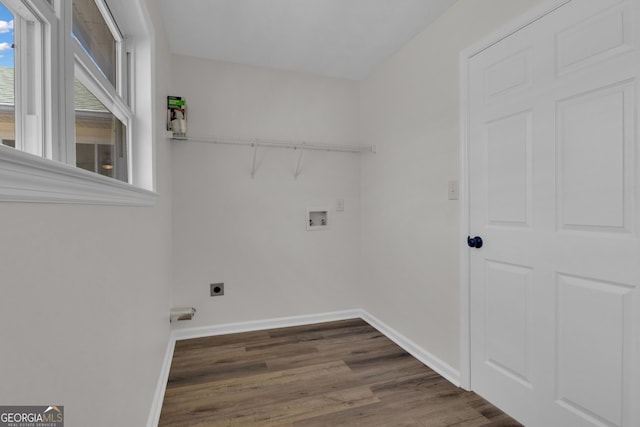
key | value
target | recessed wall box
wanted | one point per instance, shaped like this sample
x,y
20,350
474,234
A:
x,y
317,219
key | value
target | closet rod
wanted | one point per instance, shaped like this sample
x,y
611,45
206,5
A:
x,y
259,142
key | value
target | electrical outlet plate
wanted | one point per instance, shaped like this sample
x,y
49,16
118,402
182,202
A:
x,y
216,289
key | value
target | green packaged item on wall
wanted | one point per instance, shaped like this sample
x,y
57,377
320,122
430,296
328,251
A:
x,y
177,116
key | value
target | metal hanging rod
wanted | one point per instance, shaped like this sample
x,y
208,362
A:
x,y
259,142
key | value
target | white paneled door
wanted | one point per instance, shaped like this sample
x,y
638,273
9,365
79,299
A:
x,y
554,193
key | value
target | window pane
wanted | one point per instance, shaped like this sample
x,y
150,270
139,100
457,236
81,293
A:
x,y
93,33
7,79
101,144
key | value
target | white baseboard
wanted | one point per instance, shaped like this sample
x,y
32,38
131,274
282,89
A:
x,y
442,368
158,398
260,325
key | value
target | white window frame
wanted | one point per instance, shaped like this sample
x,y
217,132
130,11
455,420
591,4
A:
x,y
28,87
46,172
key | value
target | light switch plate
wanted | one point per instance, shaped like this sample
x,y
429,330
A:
x,y
453,190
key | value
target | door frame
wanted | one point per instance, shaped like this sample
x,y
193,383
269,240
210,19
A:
x,y
534,14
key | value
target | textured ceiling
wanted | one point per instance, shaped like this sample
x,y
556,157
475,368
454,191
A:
x,y
335,38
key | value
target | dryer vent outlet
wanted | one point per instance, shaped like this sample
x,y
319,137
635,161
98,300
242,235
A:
x,y
217,289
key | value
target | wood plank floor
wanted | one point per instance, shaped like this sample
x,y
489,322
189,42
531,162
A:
x,y
342,373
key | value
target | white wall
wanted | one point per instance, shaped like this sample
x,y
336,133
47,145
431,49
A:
x,y
410,230
250,233
85,298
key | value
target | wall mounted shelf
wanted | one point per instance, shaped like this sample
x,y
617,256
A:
x,y
276,143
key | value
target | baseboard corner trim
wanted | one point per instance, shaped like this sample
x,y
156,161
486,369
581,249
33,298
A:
x,y
427,358
161,386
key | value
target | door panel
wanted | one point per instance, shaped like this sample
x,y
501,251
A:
x,y
508,154
507,331
554,191
595,39
508,75
592,319
594,134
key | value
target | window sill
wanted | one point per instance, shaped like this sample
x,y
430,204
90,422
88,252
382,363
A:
x,y
28,178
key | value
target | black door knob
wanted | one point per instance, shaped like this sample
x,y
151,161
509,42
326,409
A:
x,y
474,242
